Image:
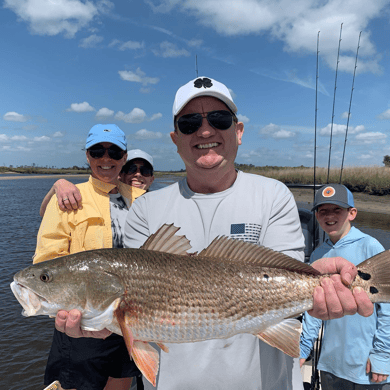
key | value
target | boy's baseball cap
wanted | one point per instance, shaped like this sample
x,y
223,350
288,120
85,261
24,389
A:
x,y
202,86
334,194
106,133
138,153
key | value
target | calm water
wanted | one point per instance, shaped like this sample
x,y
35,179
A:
x,y
25,342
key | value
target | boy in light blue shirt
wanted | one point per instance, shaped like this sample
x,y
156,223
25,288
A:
x,y
355,352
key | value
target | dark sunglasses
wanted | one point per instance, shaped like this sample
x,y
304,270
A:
x,y
145,171
220,119
98,151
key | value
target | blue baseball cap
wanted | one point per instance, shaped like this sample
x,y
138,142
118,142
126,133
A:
x,y
106,133
334,194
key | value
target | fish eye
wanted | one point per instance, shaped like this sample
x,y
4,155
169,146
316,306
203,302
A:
x,y
45,277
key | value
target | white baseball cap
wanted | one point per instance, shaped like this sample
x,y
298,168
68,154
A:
x,y
202,86
138,153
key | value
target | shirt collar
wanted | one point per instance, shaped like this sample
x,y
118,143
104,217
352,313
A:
x,y
102,186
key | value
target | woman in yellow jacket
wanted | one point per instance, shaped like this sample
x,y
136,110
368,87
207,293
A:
x,y
89,363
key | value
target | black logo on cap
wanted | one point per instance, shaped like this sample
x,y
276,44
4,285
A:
x,y
205,82
107,130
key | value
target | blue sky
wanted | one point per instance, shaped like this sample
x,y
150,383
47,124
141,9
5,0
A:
x,y
69,64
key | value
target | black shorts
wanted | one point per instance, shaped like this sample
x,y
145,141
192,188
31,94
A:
x,y
86,363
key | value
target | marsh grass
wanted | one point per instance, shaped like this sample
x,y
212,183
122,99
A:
x,y
374,180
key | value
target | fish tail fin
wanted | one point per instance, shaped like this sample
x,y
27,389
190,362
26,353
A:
x,y
374,274
285,336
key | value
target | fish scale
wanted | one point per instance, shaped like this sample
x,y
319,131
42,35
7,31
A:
x,y
192,299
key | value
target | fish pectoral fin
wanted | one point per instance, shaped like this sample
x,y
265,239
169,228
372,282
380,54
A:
x,y
147,360
163,347
126,331
284,336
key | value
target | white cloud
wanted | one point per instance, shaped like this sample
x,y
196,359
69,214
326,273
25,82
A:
x,y
105,112
43,138
129,45
339,130
371,138
15,117
275,131
80,107
137,77
19,138
91,41
293,23
385,115
3,138
155,116
146,134
344,115
194,42
137,115
242,118
58,134
52,17
170,50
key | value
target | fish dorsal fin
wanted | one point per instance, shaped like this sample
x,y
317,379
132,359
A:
x,y
229,248
285,336
165,240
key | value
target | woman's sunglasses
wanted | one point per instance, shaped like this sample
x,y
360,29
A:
x,y
220,119
145,171
98,151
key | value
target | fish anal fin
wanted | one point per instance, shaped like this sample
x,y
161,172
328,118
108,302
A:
x,y
163,347
165,240
284,336
147,360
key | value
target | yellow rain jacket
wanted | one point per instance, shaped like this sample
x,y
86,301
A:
x,y
64,232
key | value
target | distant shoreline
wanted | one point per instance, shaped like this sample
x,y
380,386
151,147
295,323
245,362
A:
x,y
42,176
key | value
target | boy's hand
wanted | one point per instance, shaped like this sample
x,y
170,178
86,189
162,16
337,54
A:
x,y
333,299
377,378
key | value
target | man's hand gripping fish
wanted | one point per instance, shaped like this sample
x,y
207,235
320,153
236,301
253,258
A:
x,y
160,294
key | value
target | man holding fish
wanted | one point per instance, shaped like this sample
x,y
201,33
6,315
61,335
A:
x,y
216,200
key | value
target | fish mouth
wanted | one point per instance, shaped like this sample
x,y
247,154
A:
x,y
32,303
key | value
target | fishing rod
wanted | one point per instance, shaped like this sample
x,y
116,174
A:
x,y
315,235
334,100
196,65
349,110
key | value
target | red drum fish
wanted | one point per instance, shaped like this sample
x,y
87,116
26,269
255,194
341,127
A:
x,y
160,294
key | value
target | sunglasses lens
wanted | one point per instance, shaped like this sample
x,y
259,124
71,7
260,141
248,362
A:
x,y
98,151
221,119
145,171
189,123
115,152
